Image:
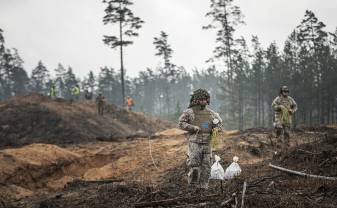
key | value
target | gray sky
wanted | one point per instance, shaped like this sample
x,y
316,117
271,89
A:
x,y
70,31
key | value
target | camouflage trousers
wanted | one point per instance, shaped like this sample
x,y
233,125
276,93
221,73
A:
x,y
100,109
283,130
199,158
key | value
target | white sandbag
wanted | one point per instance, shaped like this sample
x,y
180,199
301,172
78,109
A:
x,y
217,172
233,170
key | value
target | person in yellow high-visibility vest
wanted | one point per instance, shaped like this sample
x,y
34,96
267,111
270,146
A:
x,y
76,92
52,91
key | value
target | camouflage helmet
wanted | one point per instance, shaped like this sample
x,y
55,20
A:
x,y
198,95
284,88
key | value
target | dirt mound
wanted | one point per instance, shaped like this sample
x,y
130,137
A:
x,y
21,169
38,119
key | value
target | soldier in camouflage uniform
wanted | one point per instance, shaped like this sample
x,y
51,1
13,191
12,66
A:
x,y
100,101
282,103
199,121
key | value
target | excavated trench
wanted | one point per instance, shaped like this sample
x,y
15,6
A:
x,y
40,169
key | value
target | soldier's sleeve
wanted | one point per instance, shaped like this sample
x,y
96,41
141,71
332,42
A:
x,y
185,120
275,104
293,104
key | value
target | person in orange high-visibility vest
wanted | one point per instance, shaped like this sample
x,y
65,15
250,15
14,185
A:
x,y
130,103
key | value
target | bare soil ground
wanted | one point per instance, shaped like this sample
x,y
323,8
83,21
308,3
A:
x,y
54,153
142,171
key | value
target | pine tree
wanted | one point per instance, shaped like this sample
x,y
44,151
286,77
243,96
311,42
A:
x,y
165,51
168,71
91,81
6,73
226,17
13,78
39,78
2,51
257,79
108,85
118,12
312,36
273,76
70,82
292,72
60,72
19,77
145,90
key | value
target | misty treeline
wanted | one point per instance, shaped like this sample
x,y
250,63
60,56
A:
x,y
243,77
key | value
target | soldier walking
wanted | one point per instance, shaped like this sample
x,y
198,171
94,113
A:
x,y
199,121
284,107
100,101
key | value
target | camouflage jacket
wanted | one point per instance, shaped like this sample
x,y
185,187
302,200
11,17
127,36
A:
x,y
185,123
100,99
287,102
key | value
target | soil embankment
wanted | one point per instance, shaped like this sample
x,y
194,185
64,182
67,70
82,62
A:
x,y
38,119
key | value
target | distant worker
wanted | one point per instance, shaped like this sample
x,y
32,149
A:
x,y
76,92
284,107
87,95
100,102
200,122
52,91
130,103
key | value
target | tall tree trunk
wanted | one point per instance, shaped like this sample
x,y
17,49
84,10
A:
x,y
121,55
240,122
328,112
167,100
263,111
256,111
259,103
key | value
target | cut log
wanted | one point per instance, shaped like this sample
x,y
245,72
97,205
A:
x,y
302,174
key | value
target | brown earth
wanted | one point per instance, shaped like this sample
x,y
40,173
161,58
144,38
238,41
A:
x,y
35,118
61,154
124,173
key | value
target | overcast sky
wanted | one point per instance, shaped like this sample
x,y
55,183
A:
x,y
70,31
